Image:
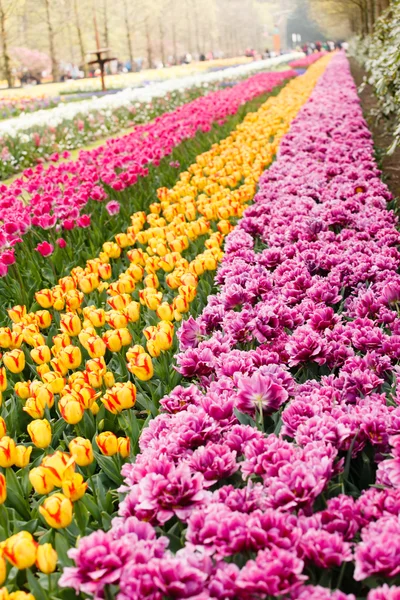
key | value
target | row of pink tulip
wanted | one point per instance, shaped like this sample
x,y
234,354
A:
x,y
47,204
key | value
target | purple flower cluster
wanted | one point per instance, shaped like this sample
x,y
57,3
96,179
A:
x,y
279,462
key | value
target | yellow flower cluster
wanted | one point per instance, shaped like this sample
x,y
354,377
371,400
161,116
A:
x,y
22,551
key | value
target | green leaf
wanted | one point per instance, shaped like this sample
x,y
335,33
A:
x,y
58,429
106,520
13,482
62,548
34,586
244,419
107,465
92,507
19,504
81,515
30,526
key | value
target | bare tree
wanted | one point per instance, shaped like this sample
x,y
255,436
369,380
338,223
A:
x,y
105,22
4,13
80,37
149,46
52,48
128,32
359,15
162,43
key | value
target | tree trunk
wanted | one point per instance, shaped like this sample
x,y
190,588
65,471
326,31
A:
x,y
162,45
69,33
196,27
128,34
80,38
52,51
367,16
105,14
174,43
188,28
149,48
372,12
4,44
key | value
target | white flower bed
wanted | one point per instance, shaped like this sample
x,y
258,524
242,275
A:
x,y
54,117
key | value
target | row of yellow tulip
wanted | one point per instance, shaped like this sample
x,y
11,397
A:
x,y
66,356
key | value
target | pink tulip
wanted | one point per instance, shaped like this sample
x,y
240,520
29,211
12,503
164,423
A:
x,y
8,257
45,249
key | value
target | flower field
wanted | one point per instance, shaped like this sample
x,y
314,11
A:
x,y
32,139
199,345
14,106
50,207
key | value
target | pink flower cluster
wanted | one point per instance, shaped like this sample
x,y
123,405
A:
x,y
302,340
58,195
306,61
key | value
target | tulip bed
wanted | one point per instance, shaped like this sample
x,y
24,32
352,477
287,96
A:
x,y
14,106
84,369
274,468
306,61
45,135
46,208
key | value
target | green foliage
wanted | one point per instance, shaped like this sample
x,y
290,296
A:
x,y
379,53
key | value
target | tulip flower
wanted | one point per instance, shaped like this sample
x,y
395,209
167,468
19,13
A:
x,y
22,456
95,347
45,249
116,320
21,550
14,360
111,249
53,382
120,397
41,480
44,298
107,443
134,351
3,571
3,490
105,271
22,389
3,379
35,408
3,428
43,318
59,466
46,559
40,433
20,595
124,446
74,488
71,409
81,450
7,452
41,355
109,379
71,357
113,207
71,324
17,313
57,511
142,367
165,311
132,312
